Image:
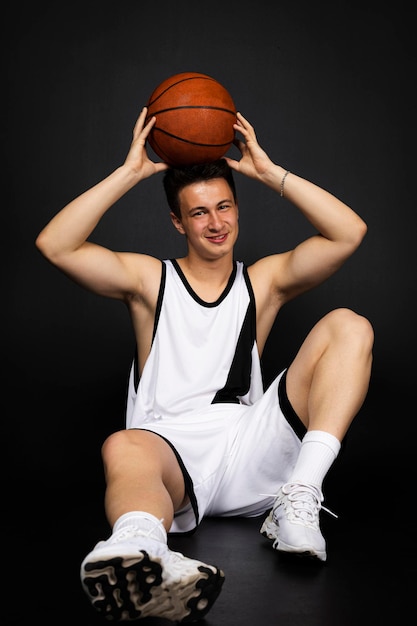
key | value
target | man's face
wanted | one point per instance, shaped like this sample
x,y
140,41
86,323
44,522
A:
x,y
209,218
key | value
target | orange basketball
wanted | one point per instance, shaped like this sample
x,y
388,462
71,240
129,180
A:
x,y
194,119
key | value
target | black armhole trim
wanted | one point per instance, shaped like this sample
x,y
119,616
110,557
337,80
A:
x,y
155,324
286,407
251,294
160,298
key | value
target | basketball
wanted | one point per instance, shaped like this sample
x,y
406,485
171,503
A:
x,y
194,119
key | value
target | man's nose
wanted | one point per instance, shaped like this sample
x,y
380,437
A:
x,y
215,222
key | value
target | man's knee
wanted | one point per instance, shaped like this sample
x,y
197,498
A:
x,y
144,449
123,444
115,443
355,327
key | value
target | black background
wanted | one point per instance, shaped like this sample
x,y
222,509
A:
x,y
330,90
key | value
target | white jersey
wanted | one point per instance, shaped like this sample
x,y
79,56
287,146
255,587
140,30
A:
x,y
202,353
201,390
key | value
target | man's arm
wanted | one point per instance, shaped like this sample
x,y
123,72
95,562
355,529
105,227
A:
x,y
340,229
64,243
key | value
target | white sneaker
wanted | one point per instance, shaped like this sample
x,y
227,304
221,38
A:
x,y
131,576
293,522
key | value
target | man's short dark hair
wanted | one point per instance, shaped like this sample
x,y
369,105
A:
x,y
176,178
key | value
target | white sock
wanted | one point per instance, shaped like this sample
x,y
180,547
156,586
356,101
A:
x,y
317,453
147,522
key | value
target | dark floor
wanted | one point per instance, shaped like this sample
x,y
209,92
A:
x,y
369,577
53,517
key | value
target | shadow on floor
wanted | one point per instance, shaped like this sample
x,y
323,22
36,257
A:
x,y
365,577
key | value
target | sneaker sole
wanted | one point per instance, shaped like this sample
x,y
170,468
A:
x,y
269,529
129,589
300,551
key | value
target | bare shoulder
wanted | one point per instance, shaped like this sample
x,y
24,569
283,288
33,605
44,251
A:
x,y
143,263
268,276
266,273
144,275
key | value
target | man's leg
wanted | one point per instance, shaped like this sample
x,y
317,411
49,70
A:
x,y
326,385
329,378
142,474
133,574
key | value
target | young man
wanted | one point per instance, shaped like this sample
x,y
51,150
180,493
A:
x,y
202,435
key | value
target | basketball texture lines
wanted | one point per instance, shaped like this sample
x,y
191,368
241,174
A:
x,y
194,119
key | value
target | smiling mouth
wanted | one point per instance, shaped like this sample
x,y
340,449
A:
x,y
218,238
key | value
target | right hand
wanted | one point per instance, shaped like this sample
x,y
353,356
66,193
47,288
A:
x,y
137,158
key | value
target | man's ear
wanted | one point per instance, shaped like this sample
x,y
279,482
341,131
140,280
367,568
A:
x,y
177,223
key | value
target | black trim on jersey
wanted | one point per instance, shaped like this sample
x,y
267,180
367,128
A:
x,y
189,487
239,377
286,407
160,298
135,369
193,293
136,376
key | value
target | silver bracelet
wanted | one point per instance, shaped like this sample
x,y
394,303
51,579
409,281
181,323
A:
x,y
283,183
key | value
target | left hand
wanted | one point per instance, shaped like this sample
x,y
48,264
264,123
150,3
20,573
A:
x,y
254,162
